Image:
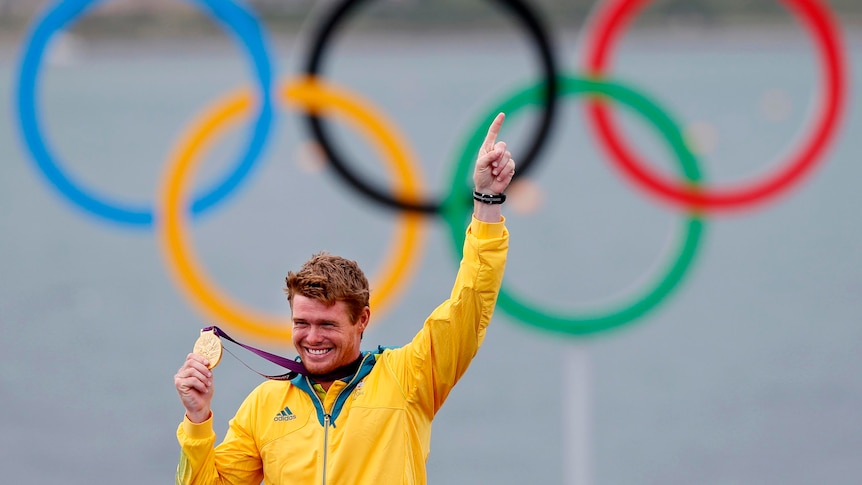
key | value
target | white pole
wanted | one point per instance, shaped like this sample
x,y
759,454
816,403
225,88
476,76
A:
x,y
577,416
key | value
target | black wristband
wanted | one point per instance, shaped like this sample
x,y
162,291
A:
x,y
489,198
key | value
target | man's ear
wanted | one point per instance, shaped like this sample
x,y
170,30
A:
x,y
364,319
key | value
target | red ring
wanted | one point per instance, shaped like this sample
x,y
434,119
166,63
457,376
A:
x,y
611,20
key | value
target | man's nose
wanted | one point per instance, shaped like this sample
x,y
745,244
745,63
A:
x,y
315,334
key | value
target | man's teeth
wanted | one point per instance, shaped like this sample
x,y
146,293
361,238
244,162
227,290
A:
x,y
317,351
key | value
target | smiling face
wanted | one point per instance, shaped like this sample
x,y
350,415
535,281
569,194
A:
x,y
324,335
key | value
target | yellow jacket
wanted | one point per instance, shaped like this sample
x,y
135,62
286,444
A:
x,y
371,428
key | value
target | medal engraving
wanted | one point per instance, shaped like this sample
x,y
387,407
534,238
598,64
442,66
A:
x,y
209,346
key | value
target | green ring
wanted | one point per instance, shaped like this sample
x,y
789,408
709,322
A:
x,y
457,205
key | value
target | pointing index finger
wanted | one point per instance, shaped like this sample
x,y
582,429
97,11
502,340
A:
x,y
493,131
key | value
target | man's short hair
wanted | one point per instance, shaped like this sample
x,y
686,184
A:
x,y
329,279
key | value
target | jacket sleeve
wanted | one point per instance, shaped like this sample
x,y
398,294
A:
x,y
431,365
235,461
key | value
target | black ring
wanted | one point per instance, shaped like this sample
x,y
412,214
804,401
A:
x,y
535,29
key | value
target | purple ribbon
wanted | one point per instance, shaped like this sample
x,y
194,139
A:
x,y
295,367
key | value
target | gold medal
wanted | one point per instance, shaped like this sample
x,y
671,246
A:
x,y
209,346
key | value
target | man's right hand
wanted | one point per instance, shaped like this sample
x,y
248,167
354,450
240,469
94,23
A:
x,y
194,383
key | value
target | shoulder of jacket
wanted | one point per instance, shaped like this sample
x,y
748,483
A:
x,y
272,386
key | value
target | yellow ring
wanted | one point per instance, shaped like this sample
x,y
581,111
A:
x,y
172,218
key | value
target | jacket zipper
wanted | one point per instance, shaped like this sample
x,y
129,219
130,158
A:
x,y
326,421
327,418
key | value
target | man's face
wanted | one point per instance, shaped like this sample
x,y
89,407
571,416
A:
x,y
324,336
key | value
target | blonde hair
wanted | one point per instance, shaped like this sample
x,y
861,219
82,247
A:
x,y
329,279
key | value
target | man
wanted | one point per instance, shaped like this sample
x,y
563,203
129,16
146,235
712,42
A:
x,y
357,417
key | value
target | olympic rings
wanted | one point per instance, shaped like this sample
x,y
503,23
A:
x,y
824,30
534,28
317,99
621,314
234,16
174,239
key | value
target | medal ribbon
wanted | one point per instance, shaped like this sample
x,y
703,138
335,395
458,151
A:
x,y
295,367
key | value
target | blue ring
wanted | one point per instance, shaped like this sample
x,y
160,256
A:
x,y
240,21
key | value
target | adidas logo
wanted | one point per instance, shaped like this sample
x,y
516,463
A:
x,y
284,415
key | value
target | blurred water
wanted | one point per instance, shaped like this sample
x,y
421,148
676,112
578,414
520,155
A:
x,y
748,373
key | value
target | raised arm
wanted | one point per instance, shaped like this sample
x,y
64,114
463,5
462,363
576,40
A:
x,y
441,352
